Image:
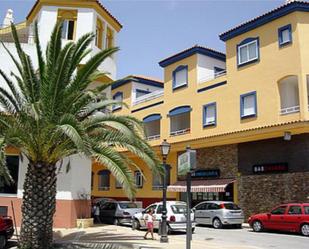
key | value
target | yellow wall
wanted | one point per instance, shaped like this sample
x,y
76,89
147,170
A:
x,y
275,63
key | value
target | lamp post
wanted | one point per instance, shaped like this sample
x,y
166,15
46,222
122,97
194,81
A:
x,y
165,149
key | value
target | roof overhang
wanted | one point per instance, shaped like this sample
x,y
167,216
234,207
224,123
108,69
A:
x,y
93,4
265,18
191,51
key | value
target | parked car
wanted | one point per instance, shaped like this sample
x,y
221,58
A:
x,y
176,216
293,217
118,212
218,214
6,230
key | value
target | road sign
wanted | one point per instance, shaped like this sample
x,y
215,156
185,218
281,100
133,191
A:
x,y
186,161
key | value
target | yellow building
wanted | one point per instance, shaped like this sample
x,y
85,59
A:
x,y
245,112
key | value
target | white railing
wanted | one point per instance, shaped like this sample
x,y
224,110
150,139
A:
x,y
289,110
154,137
180,132
212,76
148,97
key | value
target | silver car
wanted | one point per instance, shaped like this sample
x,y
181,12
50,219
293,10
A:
x,y
118,212
218,214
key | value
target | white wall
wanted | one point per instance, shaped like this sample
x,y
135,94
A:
x,y
69,185
205,66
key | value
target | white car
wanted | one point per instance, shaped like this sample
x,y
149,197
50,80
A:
x,y
176,216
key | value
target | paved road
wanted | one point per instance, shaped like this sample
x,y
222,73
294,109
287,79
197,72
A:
x,y
245,237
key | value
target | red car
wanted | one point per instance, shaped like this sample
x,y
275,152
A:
x,y
6,230
293,217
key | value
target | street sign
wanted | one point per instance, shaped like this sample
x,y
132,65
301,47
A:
x,y
186,161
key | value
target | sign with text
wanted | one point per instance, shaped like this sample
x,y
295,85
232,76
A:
x,y
206,173
186,161
270,168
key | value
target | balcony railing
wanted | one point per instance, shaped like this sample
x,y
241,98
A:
x,y
153,137
180,132
148,97
212,76
289,110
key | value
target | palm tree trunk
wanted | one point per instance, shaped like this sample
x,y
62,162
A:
x,y
38,207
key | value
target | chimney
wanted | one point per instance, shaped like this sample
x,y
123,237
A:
x,y
8,18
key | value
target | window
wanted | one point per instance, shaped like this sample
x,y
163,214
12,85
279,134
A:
x,y
68,19
285,35
140,93
118,97
160,209
109,38
279,211
201,207
92,174
295,210
157,180
248,104
138,179
248,51
152,126
180,77
212,206
12,163
153,207
99,34
180,120
118,184
218,71
209,114
104,180
306,208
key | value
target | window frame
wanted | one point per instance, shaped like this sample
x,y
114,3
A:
x,y
139,174
242,97
292,206
280,31
205,107
246,43
117,107
178,69
105,173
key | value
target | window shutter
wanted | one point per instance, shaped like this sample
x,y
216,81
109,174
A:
x,y
249,105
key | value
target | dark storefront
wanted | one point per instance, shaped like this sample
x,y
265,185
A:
x,y
272,172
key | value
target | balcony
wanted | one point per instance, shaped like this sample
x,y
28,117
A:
x,y
154,137
148,97
289,110
211,76
180,132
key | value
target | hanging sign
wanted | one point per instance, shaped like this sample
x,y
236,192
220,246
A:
x,y
186,162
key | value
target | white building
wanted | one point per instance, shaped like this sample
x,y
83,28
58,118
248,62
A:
x,y
79,17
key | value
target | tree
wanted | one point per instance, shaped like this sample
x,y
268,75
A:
x,y
50,114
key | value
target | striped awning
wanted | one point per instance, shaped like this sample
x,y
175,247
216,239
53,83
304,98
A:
x,y
213,185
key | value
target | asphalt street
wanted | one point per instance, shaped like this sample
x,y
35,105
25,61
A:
x,y
246,237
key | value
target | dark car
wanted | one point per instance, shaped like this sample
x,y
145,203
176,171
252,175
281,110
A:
x,y
293,217
6,230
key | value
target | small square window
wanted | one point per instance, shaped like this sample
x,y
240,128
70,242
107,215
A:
x,y
285,35
248,106
180,77
209,114
248,51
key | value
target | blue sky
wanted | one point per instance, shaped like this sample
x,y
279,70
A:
x,y
154,30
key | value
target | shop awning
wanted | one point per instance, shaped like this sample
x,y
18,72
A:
x,y
213,185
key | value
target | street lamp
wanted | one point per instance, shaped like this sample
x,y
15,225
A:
x,y
165,149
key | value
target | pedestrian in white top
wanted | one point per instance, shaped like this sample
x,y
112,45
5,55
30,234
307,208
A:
x,y
149,218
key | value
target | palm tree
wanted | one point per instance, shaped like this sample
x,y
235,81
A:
x,y
50,114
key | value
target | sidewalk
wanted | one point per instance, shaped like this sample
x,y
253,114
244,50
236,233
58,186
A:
x,y
125,238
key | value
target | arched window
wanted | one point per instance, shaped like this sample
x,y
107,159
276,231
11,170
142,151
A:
x,y
289,95
103,180
180,120
152,126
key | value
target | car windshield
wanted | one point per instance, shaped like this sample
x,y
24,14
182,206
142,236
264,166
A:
x,y
231,206
179,209
125,205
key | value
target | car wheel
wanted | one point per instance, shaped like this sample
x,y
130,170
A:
x,y
2,241
136,225
257,226
305,229
216,223
116,222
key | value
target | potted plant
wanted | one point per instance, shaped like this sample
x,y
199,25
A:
x,y
84,219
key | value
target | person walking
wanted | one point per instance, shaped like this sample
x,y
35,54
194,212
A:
x,y
149,218
97,214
